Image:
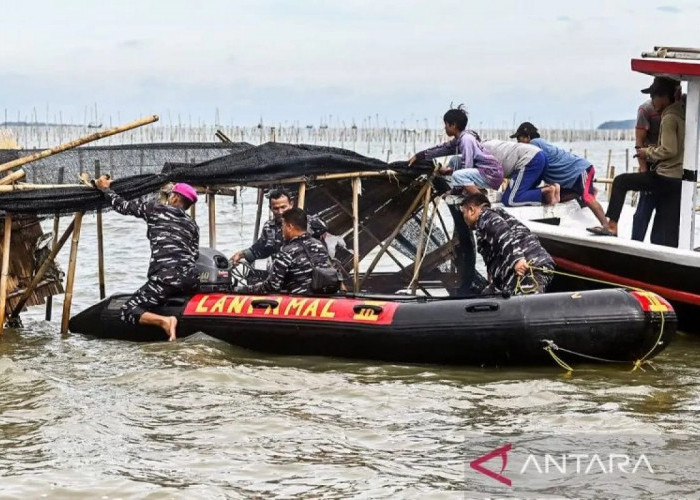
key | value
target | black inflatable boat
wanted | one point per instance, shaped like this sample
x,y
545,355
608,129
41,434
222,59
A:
x,y
616,324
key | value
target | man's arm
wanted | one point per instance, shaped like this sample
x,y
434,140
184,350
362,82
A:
x,y
640,135
668,141
276,278
448,148
136,208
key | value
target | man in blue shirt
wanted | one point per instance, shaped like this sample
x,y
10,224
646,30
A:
x,y
574,174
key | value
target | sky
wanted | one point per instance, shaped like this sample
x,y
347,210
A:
x,y
556,63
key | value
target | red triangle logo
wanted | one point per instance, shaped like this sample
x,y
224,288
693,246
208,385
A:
x,y
498,476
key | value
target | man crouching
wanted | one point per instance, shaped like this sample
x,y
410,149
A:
x,y
515,260
174,239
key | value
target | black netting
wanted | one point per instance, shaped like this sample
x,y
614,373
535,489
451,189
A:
x,y
120,160
266,163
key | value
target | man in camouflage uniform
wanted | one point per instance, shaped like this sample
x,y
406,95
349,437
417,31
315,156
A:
x,y
293,265
174,239
510,251
270,241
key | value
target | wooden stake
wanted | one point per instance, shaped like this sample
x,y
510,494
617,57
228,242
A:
x,y
211,203
391,237
356,233
70,280
42,270
100,244
368,232
78,142
5,268
258,215
56,219
421,238
301,198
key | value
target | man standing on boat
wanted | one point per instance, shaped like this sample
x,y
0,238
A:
x,y
646,135
293,266
515,260
271,240
664,180
574,174
174,239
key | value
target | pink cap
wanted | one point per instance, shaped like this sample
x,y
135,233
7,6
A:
x,y
185,190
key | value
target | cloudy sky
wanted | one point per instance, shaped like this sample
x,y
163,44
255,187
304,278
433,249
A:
x,y
556,63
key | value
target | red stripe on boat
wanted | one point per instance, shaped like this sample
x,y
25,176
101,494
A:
x,y
668,293
372,312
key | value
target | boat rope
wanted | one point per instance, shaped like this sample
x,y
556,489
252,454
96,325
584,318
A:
x,y
551,346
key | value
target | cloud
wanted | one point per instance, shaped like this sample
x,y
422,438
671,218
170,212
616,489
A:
x,y
669,8
564,19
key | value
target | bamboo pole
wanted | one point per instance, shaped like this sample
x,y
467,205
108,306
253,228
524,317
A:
x,y
56,219
35,187
421,239
396,230
5,268
258,214
368,232
42,270
13,177
211,204
301,198
100,244
70,280
77,142
356,234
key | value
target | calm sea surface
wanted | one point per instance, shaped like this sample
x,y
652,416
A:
x,y
85,418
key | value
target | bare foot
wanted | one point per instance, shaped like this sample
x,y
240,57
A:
x,y
548,193
557,193
172,327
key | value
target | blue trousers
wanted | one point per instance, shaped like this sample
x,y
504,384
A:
x,y
522,188
642,216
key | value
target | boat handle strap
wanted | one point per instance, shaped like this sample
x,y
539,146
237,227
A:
x,y
264,303
364,307
476,308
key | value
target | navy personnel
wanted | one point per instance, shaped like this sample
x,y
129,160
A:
x,y
293,265
513,255
174,239
270,241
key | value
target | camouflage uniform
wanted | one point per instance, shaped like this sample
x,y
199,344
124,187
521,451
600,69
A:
x,y
502,241
174,238
291,269
270,241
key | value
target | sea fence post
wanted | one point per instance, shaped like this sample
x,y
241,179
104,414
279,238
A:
x,y
56,219
70,280
7,235
100,243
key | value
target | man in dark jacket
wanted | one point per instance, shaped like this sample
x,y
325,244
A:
x,y
270,241
512,254
174,239
293,265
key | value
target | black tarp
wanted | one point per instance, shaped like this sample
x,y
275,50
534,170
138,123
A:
x,y
269,162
